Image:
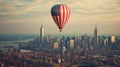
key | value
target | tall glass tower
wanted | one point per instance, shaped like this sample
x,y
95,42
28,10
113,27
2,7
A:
x,y
41,34
95,37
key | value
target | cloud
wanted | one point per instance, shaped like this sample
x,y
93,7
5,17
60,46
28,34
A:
x,y
84,13
96,10
95,7
81,8
17,7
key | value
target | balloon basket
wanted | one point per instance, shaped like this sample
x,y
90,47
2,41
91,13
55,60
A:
x,y
60,30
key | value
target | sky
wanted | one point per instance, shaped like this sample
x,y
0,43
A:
x,y
26,16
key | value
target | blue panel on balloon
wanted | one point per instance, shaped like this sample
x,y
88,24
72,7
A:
x,y
54,10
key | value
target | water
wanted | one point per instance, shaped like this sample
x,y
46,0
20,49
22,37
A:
x,y
8,43
14,44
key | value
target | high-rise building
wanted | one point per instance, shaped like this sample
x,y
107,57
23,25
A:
x,y
112,39
111,42
63,49
56,45
41,33
95,37
105,41
71,43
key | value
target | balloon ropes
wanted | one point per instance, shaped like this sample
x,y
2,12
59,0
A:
x,y
60,14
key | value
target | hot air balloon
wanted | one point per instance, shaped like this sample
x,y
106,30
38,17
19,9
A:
x,y
60,14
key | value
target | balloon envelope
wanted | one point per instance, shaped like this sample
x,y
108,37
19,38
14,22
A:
x,y
60,14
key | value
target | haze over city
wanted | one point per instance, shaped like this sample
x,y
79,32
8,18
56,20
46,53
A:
x,y
25,17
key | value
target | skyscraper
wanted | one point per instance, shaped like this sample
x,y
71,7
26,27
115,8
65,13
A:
x,y
41,34
95,37
71,43
113,39
56,45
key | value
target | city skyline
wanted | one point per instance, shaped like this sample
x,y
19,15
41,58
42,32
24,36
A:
x,y
25,17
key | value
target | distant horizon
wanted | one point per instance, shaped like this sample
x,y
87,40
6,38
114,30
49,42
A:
x,y
69,34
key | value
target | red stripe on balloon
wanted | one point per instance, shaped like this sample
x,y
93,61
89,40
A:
x,y
63,10
68,13
65,15
58,20
59,14
55,19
